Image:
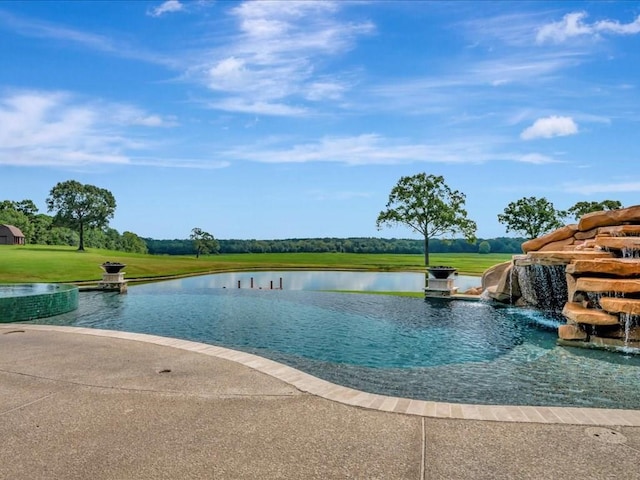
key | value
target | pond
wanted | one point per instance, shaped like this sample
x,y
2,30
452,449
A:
x,y
332,280
441,350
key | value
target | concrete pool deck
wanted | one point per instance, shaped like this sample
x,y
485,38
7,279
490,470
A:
x,y
83,403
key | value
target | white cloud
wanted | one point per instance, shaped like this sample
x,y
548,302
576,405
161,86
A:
x,y
536,159
274,57
461,89
618,28
258,107
170,6
367,149
56,129
320,90
550,127
573,25
150,121
127,115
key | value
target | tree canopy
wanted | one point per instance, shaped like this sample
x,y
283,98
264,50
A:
x,y
79,206
203,242
582,208
428,206
531,216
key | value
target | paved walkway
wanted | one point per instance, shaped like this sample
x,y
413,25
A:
x,y
90,404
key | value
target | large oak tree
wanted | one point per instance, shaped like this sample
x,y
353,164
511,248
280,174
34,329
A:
x,y
531,216
428,206
79,206
203,242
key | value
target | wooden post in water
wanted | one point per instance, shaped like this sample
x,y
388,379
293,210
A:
x,y
238,283
280,283
251,282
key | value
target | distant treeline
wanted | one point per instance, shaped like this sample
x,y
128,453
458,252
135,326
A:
x,y
344,245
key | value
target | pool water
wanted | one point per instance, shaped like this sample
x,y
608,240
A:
x,y
441,350
27,289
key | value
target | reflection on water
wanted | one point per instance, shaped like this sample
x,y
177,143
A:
x,y
315,280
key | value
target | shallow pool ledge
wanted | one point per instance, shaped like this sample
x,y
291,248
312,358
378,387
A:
x,y
464,296
348,396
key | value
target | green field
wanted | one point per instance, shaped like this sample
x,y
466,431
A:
x,y
42,263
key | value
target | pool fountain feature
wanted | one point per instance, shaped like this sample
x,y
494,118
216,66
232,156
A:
x,y
439,282
589,272
113,277
29,301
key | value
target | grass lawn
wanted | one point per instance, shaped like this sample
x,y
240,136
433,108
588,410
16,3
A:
x,y
50,263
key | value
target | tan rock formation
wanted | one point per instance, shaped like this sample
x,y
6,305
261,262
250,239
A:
x,y
586,235
619,230
619,267
596,257
602,285
557,235
620,305
473,291
492,291
618,243
492,275
559,245
571,287
609,217
564,256
576,313
507,288
585,244
571,332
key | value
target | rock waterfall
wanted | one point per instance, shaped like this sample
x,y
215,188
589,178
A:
x,y
589,272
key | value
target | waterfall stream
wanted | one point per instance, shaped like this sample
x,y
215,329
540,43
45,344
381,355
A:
x,y
543,286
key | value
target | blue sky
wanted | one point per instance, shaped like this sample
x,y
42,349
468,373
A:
x,y
295,119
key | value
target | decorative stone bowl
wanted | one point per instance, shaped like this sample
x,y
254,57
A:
x,y
441,272
112,267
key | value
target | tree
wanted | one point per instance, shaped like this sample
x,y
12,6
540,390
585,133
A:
x,y
130,242
79,206
582,208
27,207
428,206
531,216
484,247
203,242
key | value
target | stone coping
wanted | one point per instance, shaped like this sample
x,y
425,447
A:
x,y
322,388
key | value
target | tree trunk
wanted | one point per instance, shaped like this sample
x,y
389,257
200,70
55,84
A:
x,y
426,251
81,246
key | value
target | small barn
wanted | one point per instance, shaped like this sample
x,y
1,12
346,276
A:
x,y
10,235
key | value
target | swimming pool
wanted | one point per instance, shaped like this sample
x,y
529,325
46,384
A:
x,y
451,351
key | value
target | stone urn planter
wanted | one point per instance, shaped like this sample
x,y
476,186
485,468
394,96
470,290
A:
x,y
441,272
112,267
